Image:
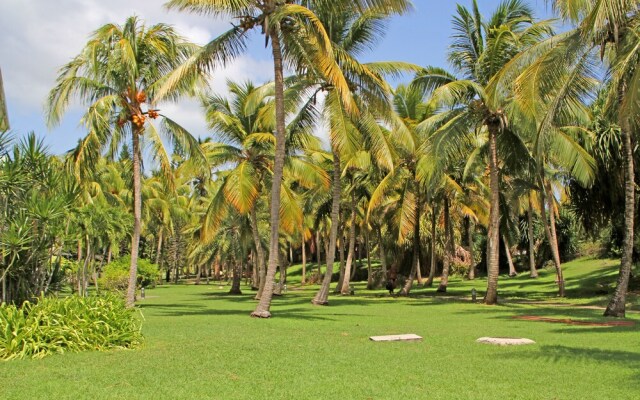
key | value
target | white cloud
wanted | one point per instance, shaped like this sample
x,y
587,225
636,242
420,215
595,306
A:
x,y
37,37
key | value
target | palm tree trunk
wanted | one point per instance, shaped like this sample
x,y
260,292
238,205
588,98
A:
x,y
507,250
158,250
262,273
472,265
137,217
617,306
262,310
303,280
444,279
432,266
415,263
237,276
532,256
340,245
550,229
318,254
383,256
369,269
344,290
493,235
322,297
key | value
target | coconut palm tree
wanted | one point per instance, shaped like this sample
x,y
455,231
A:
x,y
117,75
281,23
480,49
613,27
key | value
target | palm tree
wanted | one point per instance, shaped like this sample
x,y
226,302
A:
x,y
281,22
480,49
613,26
117,75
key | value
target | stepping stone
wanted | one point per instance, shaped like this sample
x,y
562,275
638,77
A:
x,y
500,341
395,338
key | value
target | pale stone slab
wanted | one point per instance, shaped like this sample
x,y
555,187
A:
x,y
505,341
395,338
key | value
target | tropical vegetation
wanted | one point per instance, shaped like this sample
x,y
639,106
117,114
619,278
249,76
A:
x,y
497,171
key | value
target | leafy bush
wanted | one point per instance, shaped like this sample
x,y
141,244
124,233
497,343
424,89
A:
x,y
71,324
115,275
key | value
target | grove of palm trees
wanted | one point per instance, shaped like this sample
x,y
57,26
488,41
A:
x,y
347,196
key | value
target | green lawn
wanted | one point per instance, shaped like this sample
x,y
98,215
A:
x,y
201,344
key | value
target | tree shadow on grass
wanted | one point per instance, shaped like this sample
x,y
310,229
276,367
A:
x,y
188,310
555,353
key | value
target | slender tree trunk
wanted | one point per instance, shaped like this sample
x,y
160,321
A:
x,y
532,255
137,217
415,262
432,266
318,255
472,264
237,276
109,254
303,280
444,279
493,235
255,233
550,229
383,255
262,310
358,262
367,244
352,248
255,278
617,306
340,245
507,250
159,248
322,297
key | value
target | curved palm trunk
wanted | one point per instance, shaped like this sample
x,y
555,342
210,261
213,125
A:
x,y
472,265
550,229
137,217
493,236
432,266
532,256
262,310
322,297
262,273
344,289
415,263
448,254
616,306
507,250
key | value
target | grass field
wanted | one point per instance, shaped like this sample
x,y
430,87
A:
x,y
201,344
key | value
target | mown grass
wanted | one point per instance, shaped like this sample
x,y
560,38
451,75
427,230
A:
x,y
201,344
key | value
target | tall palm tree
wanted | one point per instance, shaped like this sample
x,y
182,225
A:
x,y
560,76
279,21
117,75
480,49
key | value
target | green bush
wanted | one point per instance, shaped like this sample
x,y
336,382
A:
x,y
71,324
115,275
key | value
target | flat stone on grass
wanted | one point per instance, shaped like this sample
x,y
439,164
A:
x,y
395,338
505,341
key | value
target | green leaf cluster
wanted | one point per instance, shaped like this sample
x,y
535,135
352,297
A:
x,y
71,324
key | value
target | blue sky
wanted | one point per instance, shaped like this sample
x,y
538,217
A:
x,y
39,36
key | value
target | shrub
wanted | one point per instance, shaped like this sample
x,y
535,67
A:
x,y
71,324
115,275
